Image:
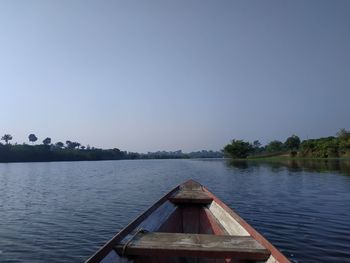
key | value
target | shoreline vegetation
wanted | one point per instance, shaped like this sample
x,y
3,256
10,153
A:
x,y
326,148
74,151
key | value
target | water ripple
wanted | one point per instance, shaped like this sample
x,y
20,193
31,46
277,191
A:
x,y
63,212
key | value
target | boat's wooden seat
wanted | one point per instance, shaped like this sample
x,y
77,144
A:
x,y
191,193
191,197
195,245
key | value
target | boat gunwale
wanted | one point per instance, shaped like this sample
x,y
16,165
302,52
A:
x,y
105,249
279,257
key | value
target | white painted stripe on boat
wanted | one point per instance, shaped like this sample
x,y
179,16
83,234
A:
x,y
271,260
227,221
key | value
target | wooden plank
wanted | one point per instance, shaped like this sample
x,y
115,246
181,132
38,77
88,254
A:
x,y
162,206
191,192
107,253
190,224
190,219
173,224
232,226
276,255
195,245
208,224
191,185
191,197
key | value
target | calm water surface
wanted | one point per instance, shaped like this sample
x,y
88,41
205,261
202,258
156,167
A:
x,y
63,212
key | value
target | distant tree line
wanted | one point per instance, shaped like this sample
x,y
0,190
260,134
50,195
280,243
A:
x,y
180,155
74,151
328,147
47,151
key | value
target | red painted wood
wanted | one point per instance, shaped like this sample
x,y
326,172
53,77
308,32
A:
x,y
255,234
205,224
209,224
173,224
190,219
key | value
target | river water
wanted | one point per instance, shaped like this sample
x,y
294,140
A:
x,y
64,211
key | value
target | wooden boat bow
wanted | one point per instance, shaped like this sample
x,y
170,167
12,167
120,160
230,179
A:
x,y
189,223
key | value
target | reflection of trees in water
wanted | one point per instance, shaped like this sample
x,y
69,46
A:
x,y
240,164
296,165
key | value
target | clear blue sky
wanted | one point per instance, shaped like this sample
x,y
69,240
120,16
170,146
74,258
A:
x,y
168,75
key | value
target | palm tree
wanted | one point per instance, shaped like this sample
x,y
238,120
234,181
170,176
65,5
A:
x,y
32,138
6,138
47,141
69,144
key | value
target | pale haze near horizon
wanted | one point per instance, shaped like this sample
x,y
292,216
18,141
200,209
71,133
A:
x,y
168,75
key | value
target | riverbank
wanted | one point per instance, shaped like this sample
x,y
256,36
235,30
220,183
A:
x,y
293,147
287,156
51,153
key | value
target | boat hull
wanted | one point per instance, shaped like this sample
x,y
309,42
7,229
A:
x,y
189,208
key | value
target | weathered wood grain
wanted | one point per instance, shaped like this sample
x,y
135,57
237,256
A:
x,y
200,245
173,224
208,224
227,221
214,218
190,219
191,197
191,185
276,255
149,220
